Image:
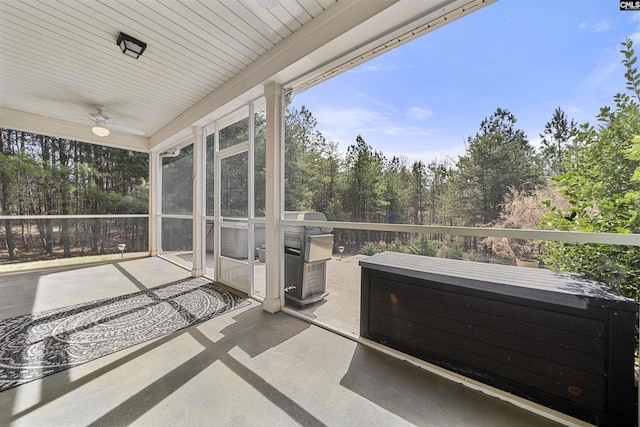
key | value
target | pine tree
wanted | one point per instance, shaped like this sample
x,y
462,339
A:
x,y
556,140
499,156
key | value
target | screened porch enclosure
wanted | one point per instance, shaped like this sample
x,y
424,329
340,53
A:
x,y
233,190
213,119
175,99
241,266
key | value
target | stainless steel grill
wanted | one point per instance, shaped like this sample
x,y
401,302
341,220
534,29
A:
x,y
306,252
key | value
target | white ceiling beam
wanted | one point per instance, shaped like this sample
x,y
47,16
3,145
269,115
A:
x,y
27,122
333,22
380,34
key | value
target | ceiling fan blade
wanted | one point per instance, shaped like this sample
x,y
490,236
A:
x,y
123,121
123,124
127,130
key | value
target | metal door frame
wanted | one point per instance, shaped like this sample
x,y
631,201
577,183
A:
x,y
218,219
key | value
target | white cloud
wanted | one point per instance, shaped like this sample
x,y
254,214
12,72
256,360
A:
x,y
450,154
536,142
355,121
598,27
635,37
602,71
578,113
601,26
375,68
356,118
605,76
380,126
419,113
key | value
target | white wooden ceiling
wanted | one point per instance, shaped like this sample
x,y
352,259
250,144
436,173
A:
x,y
59,58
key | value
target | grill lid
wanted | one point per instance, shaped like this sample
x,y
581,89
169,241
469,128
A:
x,y
295,235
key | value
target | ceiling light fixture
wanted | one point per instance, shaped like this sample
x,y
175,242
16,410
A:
x,y
100,131
268,4
130,46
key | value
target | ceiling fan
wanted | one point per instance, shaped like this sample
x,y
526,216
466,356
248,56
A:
x,y
104,123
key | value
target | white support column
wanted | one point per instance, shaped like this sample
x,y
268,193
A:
x,y
274,199
199,250
252,199
155,185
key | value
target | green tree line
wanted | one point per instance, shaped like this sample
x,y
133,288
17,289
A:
x,y
44,175
363,185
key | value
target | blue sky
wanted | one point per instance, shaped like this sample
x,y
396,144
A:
x,y
423,99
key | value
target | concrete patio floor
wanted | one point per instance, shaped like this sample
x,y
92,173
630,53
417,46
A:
x,y
244,368
340,310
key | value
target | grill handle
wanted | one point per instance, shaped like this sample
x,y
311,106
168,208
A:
x,y
292,251
318,247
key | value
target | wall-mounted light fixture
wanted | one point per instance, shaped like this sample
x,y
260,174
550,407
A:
x,y
100,130
130,46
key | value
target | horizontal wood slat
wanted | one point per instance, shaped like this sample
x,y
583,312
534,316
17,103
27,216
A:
x,y
481,361
429,338
552,350
472,310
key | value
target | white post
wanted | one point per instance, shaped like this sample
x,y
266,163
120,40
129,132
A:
x,y
251,214
154,201
274,199
199,250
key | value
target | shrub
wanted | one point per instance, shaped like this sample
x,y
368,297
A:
x,y
397,246
452,250
370,248
421,245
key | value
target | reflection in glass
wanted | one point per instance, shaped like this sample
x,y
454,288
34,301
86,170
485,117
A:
x,y
177,235
233,186
210,248
177,182
44,239
210,176
260,156
235,133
